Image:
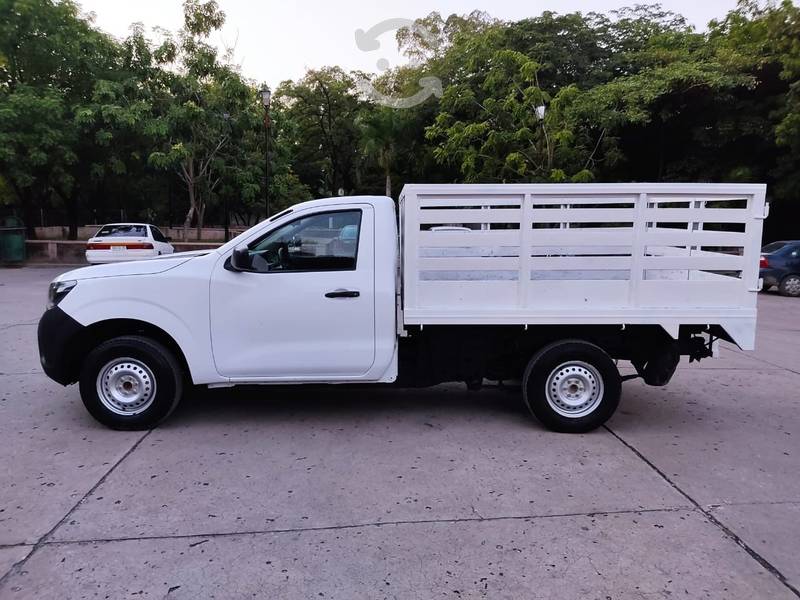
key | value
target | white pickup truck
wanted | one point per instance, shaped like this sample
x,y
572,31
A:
x,y
548,284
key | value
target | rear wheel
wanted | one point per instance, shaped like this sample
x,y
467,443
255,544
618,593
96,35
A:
x,y
131,383
790,286
571,386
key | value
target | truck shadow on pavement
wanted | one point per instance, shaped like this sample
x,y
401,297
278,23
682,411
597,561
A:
x,y
267,403
639,409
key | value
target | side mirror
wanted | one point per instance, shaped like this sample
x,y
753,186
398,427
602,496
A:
x,y
240,259
168,238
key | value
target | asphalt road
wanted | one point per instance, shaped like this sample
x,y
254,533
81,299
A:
x,y
692,491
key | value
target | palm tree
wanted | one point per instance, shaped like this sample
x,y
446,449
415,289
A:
x,y
380,131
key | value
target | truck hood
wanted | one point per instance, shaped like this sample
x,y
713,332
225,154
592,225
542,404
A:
x,y
135,267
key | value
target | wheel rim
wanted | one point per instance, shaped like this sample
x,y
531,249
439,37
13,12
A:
x,y
574,389
792,285
126,386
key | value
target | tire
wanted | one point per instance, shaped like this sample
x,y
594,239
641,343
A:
x,y
571,386
131,383
790,286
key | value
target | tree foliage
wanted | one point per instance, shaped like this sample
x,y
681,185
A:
x,y
161,125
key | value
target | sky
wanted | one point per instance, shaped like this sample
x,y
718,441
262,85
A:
x,y
274,41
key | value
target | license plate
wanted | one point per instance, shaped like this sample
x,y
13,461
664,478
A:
x,y
118,248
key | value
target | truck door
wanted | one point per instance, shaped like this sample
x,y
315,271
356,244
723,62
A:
x,y
306,308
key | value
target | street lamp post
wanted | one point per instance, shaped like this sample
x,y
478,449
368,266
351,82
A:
x,y
266,95
540,112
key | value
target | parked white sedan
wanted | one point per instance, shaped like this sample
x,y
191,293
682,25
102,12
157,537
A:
x,y
126,241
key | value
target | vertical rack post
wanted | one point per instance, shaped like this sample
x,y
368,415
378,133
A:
x,y
410,254
757,212
525,239
637,249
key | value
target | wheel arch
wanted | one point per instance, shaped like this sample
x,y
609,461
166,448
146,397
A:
x,y
96,333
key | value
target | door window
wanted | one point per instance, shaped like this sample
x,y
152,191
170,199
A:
x,y
320,242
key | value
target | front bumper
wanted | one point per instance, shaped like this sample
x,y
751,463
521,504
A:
x,y
57,331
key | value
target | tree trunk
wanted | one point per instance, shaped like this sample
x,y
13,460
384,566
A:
x,y
201,212
26,203
187,222
72,216
29,216
388,184
187,174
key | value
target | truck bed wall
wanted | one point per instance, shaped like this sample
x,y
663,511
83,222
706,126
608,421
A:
x,y
570,254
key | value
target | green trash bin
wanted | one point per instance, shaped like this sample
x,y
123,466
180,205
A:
x,y
12,241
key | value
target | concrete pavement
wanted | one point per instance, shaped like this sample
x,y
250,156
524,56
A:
x,y
691,491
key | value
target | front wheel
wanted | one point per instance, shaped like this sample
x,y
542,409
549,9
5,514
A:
x,y
131,383
571,386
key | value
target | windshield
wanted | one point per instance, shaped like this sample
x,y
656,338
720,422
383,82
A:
x,y
773,247
123,230
230,245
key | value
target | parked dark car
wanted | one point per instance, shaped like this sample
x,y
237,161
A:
x,y
780,266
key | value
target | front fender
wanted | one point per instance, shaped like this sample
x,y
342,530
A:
x,y
178,305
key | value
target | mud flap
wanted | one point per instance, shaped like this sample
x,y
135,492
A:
x,y
658,366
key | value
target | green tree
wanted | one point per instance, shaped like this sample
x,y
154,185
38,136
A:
x,y
35,147
510,129
382,129
635,94
243,176
208,104
432,36
52,62
762,40
324,108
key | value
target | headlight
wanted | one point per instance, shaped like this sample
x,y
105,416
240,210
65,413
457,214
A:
x,y
57,291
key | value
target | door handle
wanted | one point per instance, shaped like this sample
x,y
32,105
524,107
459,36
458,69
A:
x,y
343,294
